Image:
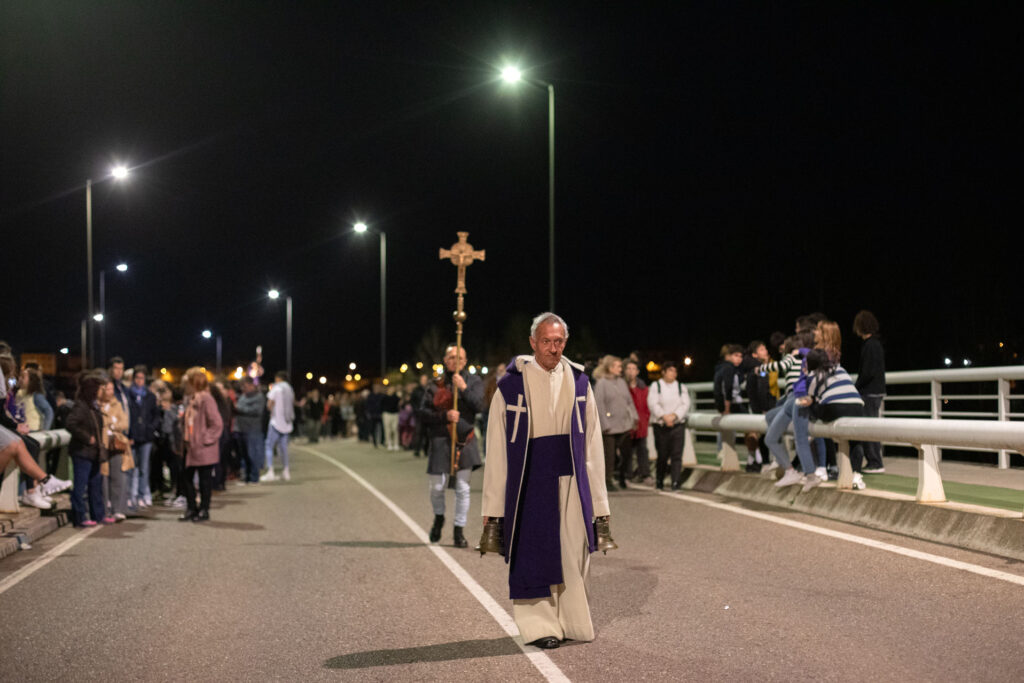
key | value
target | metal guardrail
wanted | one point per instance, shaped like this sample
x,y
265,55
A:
x,y
927,436
54,438
896,404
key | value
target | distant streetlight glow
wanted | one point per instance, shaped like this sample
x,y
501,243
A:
x,y
404,368
309,375
386,381
119,172
98,317
358,376
687,361
122,267
472,369
419,365
351,366
274,294
323,380
511,74
484,370
65,351
359,227
967,361
348,378
207,334
948,361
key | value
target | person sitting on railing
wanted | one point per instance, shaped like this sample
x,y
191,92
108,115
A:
x,y
828,338
833,395
761,401
779,417
32,408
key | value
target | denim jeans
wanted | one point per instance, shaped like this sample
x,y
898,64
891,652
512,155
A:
x,y
437,486
275,438
87,477
778,419
139,485
253,455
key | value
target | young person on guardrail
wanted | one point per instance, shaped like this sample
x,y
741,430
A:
x,y
779,417
13,445
870,383
832,393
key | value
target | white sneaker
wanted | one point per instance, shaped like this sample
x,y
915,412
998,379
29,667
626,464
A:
x,y
141,503
149,501
35,498
54,485
791,477
812,481
286,474
821,473
178,502
119,517
858,482
269,476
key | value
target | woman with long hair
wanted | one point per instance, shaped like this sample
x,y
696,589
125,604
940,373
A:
x,y
120,461
618,418
88,453
202,429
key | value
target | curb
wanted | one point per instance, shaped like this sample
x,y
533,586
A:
x,y
29,526
945,523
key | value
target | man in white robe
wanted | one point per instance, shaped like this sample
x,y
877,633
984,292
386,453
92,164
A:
x,y
554,390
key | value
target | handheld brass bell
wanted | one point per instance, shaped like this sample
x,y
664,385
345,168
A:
x,y
492,540
602,532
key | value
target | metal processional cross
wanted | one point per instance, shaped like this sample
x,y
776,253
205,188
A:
x,y
461,255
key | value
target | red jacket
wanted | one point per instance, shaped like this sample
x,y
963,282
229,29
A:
x,y
640,399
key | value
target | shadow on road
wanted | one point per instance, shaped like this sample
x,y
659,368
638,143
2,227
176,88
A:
x,y
371,544
464,649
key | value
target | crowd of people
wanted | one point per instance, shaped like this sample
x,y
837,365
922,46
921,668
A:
x,y
137,440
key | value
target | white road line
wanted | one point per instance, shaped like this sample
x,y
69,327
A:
x,y
46,558
852,538
538,658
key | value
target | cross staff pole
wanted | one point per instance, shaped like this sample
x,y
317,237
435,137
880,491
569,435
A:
x,y
461,255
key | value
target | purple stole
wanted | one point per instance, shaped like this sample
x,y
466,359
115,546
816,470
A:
x,y
532,520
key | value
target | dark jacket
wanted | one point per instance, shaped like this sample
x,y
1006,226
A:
x,y
85,422
144,417
249,409
871,377
434,418
759,391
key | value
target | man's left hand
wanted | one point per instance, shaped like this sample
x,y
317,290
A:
x,y
459,381
453,416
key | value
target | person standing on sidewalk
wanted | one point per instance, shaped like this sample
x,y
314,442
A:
x,y
870,384
669,403
249,420
281,405
203,428
638,437
389,405
438,415
145,424
618,418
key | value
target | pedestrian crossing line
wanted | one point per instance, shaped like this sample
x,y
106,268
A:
x,y
46,558
538,658
852,538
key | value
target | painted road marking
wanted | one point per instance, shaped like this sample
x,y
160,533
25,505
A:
x,y
46,558
852,538
538,658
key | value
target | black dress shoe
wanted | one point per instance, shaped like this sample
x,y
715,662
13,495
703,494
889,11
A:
x,y
188,516
545,643
201,516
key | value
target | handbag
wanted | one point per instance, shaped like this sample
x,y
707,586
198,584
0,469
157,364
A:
x,y
128,461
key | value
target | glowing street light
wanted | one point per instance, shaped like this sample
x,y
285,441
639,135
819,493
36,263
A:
x,y
351,366
512,75
323,380
207,334
687,361
122,267
361,227
119,172
309,375
64,351
948,361
98,317
275,295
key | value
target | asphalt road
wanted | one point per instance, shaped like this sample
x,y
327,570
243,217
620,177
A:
x,y
318,579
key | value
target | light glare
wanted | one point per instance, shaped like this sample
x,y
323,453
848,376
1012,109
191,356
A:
x,y
65,351
273,294
511,74
98,317
207,334
122,267
323,380
359,227
119,172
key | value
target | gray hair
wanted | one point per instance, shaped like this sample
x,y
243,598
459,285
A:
x,y
548,317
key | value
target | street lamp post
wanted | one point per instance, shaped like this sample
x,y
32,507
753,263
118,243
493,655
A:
x,y
274,294
121,268
206,335
362,227
118,173
511,74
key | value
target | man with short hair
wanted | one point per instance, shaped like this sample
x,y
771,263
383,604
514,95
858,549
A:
x,y
544,487
669,403
438,415
281,405
638,439
249,421
145,421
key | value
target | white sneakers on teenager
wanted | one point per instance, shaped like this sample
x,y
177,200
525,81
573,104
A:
x,y
268,476
858,482
792,476
286,474
36,499
812,481
821,473
52,485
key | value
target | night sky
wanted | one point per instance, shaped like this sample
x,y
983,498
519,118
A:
x,y
718,172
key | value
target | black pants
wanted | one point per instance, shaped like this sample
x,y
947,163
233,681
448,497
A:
x,y
834,411
870,450
643,461
615,461
205,487
669,443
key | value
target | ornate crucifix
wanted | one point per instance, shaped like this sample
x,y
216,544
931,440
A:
x,y
461,255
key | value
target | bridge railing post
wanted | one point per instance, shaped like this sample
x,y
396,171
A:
x,y
929,480
936,393
1003,386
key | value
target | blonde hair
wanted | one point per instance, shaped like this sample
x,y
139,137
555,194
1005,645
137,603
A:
x,y
604,368
196,379
831,340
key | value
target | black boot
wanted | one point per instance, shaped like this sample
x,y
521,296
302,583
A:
x,y
458,540
435,531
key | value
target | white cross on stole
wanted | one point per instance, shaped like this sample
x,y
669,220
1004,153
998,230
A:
x,y
579,418
518,409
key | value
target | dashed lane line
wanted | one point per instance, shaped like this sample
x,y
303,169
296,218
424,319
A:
x,y
538,658
46,558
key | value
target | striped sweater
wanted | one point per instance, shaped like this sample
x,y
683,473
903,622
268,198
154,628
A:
x,y
789,368
833,387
